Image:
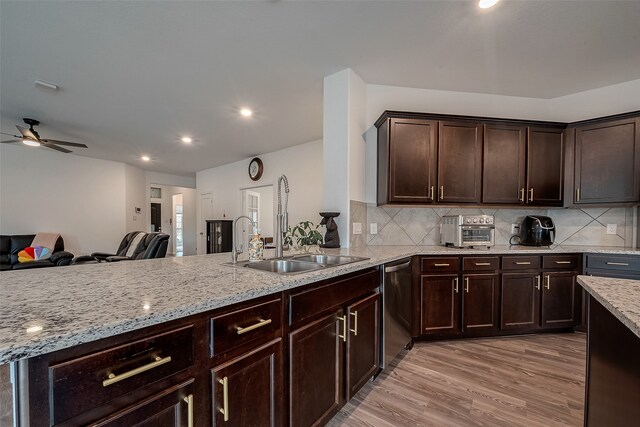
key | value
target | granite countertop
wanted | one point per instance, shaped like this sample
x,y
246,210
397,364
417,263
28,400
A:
x,y
44,310
620,296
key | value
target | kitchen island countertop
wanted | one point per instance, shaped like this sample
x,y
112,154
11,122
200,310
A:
x,y
44,310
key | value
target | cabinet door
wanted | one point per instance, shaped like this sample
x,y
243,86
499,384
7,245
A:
x,y
559,300
247,391
520,301
316,370
171,407
503,167
607,162
459,162
363,342
412,164
480,303
440,304
545,166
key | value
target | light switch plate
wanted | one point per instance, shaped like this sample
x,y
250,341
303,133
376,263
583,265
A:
x,y
357,228
373,228
612,228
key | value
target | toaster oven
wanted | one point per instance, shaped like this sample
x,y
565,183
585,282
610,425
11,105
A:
x,y
467,231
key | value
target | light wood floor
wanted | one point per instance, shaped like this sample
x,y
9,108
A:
x,y
534,380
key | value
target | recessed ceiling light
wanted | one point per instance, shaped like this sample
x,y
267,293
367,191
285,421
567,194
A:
x,y
485,4
245,112
145,158
31,142
186,140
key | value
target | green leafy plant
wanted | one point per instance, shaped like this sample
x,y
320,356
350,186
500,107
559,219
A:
x,y
304,234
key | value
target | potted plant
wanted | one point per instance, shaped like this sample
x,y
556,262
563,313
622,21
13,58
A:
x,y
303,236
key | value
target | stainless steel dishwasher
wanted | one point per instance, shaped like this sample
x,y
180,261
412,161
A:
x,y
396,303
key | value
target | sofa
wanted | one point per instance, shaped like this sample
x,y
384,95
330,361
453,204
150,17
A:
x,y
11,245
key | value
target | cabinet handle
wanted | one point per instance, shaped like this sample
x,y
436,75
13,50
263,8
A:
x,y
547,282
189,400
562,262
466,284
521,198
482,263
225,398
113,378
431,193
455,284
344,328
577,194
355,323
522,262
261,323
623,264
441,265
531,194
441,192
538,282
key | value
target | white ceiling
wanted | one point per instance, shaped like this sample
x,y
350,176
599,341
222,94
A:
x,y
135,76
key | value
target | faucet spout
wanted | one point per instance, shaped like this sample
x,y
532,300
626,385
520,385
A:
x,y
234,251
282,218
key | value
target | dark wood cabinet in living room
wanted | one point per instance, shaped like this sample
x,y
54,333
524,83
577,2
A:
x,y
219,235
607,162
459,162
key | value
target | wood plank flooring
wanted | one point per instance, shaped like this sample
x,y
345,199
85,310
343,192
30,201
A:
x,y
531,380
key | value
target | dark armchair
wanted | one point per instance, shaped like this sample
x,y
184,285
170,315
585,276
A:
x,y
153,245
10,245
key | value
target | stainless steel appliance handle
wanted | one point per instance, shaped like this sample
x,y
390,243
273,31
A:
x,y
394,268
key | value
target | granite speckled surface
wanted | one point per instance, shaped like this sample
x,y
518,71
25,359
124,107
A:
x,y
620,296
44,310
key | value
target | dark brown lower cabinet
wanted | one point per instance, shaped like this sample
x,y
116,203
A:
x,y
440,299
247,391
520,301
316,391
171,407
559,300
363,342
480,303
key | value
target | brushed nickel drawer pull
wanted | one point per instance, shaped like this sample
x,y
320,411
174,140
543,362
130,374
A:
x,y
225,398
431,193
441,192
538,282
577,194
344,328
547,282
623,264
562,262
521,198
355,323
522,262
531,194
261,323
466,284
189,400
482,263
441,265
455,284
113,378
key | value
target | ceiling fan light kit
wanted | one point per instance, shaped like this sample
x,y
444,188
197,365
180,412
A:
x,y
32,138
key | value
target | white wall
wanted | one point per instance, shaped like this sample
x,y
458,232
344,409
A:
x,y
81,198
171,180
135,197
302,164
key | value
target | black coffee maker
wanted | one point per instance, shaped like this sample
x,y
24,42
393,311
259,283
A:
x,y
537,230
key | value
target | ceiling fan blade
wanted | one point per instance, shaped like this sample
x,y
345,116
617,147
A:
x,y
55,147
11,134
11,140
72,144
27,133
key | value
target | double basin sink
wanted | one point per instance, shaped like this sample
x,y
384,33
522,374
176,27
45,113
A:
x,y
300,263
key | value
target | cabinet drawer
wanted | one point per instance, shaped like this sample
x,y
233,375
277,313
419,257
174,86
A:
x,y
480,263
440,265
520,262
93,380
560,262
613,262
257,322
307,303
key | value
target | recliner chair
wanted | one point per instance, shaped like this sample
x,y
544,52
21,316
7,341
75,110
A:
x,y
153,245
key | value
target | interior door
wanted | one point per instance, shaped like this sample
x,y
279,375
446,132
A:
x,y
206,212
251,208
156,217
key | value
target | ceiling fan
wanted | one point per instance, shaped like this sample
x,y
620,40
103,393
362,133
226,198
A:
x,y
32,138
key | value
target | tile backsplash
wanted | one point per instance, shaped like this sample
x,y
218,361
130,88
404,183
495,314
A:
x,y
421,225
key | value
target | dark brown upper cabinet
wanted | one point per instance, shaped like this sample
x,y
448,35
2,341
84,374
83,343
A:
x,y
459,162
607,162
545,171
407,161
504,163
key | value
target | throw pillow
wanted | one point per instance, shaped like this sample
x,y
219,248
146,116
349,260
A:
x,y
29,254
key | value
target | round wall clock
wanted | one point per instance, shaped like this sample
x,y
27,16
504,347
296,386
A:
x,y
255,169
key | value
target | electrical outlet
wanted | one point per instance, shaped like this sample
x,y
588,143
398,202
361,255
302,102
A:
x,y
357,228
373,228
515,228
612,228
